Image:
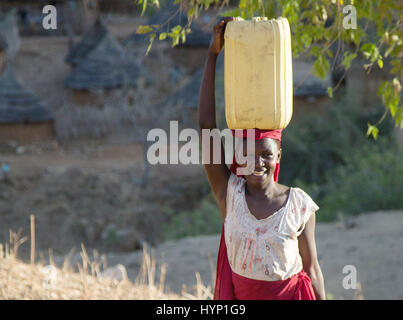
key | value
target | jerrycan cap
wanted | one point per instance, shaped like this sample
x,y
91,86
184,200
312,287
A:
x,y
257,19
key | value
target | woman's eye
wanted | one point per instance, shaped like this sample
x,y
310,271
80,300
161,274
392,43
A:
x,y
267,155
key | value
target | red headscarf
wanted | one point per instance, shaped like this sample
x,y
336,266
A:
x,y
224,289
259,134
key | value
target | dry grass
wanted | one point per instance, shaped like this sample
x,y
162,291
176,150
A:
x,y
37,281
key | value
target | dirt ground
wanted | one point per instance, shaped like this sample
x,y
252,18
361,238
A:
x,y
370,242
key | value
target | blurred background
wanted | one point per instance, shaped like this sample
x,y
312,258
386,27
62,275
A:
x,y
76,104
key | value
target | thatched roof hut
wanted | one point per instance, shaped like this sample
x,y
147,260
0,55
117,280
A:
x,y
187,95
23,117
310,92
89,42
17,104
3,44
107,66
9,34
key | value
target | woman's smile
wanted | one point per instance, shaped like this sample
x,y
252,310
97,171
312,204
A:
x,y
260,173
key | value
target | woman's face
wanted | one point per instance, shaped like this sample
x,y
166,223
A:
x,y
267,155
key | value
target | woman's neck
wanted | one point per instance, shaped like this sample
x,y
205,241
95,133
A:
x,y
264,190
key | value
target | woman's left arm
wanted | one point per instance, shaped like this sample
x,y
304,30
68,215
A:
x,y
307,250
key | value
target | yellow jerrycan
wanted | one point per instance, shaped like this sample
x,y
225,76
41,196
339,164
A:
x,y
258,73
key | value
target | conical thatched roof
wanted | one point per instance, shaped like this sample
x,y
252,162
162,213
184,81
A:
x,y
88,43
18,105
188,95
9,33
3,44
107,66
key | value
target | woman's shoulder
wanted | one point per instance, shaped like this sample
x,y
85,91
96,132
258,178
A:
x,y
299,193
304,199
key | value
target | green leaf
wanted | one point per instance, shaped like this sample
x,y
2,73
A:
x,y
347,60
318,69
380,63
144,29
355,36
320,66
243,4
382,87
393,110
316,51
390,49
162,36
372,130
399,118
176,29
175,39
183,36
231,13
156,3
152,37
330,92
367,49
306,40
144,7
190,12
370,52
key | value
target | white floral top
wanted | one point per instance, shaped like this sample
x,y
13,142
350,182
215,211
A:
x,y
265,249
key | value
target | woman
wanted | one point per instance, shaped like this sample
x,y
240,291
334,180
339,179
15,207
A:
x,y
267,249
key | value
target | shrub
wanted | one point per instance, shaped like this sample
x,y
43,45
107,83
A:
x,y
205,219
317,144
338,166
370,181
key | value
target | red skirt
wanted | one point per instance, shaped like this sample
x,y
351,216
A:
x,y
297,287
232,286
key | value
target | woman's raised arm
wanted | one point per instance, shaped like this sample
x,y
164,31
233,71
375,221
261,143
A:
x,y
218,174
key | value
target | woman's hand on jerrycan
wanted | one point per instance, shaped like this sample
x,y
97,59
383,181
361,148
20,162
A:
x,y
217,40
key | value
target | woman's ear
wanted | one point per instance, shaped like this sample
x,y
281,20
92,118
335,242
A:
x,y
279,155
